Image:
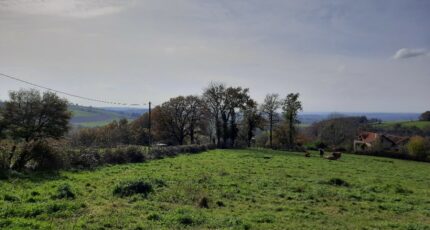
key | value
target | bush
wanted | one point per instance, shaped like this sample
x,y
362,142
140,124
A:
x,y
64,192
39,155
133,187
134,154
418,147
84,158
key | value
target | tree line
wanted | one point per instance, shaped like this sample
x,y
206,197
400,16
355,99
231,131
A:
x,y
226,116
222,115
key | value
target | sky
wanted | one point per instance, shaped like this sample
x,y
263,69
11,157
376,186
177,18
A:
x,y
344,56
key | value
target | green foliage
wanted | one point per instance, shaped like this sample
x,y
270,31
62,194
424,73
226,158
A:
x,y
245,189
28,115
419,147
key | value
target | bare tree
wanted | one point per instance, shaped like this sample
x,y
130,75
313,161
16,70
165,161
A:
x,y
269,107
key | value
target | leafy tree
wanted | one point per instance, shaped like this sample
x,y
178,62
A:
x,y
30,116
33,118
252,119
139,133
291,108
214,97
339,132
236,99
269,107
425,116
174,117
418,147
223,104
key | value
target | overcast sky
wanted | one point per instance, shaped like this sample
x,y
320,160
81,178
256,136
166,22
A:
x,y
364,56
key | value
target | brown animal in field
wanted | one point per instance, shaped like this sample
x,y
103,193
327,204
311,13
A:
x,y
334,156
321,152
307,154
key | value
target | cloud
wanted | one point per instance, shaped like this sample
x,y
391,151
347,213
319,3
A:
x,y
67,8
409,53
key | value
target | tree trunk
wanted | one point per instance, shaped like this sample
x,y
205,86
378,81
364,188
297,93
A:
x,y
270,130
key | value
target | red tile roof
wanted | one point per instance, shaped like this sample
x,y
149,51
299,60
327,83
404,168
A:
x,y
368,137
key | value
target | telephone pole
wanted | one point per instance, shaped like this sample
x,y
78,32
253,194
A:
x,y
149,125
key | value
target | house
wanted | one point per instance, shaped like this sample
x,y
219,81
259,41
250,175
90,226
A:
x,y
370,141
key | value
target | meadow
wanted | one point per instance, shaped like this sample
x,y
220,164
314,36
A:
x,y
225,189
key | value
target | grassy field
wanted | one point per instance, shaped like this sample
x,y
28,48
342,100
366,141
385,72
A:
x,y
93,117
226,189
418,124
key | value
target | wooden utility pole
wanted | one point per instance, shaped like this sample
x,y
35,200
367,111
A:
x,y
149,125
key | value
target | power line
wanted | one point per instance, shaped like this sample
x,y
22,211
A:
x,y
69,94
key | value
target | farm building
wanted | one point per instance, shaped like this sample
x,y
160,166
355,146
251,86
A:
x,y
370,141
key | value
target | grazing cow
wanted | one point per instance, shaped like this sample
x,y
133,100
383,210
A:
x,y
334,156
321,152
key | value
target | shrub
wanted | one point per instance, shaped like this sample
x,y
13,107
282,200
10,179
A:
x,y
39,155
81,159
418,147
134,154
64,192
115,156
133,187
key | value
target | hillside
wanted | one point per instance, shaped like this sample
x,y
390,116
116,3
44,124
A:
x,y
226,189
92,117
418,124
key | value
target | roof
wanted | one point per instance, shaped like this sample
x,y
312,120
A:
x,y
368,137
398,139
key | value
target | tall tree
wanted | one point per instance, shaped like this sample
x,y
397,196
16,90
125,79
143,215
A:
x,y
269,107
236,99
214,97
175,117
196,110
291,108
252,119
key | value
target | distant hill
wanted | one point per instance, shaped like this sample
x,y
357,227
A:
x,y
92,116
309,118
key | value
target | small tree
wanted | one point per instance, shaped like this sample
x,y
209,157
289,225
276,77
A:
x,y
425,116
31,117
417,147
291,107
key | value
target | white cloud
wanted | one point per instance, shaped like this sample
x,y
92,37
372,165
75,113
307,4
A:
x,y
67,8
408,53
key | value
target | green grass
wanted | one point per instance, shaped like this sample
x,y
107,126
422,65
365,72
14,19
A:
x,y
243,189
418,124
